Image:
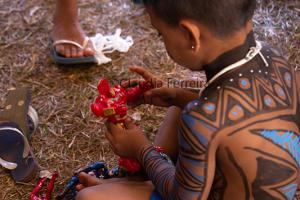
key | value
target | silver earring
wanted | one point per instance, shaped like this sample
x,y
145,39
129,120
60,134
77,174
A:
x,y
193,47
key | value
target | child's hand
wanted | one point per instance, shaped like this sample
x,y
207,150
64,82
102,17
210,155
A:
x,y
147,77
166,97
126,142
163,97
145,74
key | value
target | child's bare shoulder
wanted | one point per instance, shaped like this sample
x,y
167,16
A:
x,y
252,95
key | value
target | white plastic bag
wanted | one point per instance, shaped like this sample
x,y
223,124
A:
x,y
108,44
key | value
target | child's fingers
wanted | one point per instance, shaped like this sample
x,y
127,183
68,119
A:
x,y
158,92
161,91
130,124
159,97
109,137
80,187
131,83
113,129
134,68
143,72
114,149
164,93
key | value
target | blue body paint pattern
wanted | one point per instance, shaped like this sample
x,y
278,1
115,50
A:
x,y
290,191
238,109
286,140
211,107
258,95
191,122
186,180
244,82
280,91
268,101
288,79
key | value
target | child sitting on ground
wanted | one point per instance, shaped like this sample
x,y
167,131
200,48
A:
x,y
239,139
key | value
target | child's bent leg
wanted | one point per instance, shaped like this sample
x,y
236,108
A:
x,y
167,135
123,190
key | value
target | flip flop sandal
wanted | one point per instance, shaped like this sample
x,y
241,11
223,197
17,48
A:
x,y
60,59
18,123
12,144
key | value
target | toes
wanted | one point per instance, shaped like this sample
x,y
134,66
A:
x,y
71,51
79,187
60,49
88,180
68,51
80,53
88,52
74,52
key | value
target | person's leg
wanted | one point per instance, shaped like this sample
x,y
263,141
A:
x,y
95,189
66,26
167,135
122,189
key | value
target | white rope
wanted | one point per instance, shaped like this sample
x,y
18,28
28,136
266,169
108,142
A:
x,y
250,55
264,59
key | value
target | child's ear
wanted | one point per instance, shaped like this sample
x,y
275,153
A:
x,y
192,33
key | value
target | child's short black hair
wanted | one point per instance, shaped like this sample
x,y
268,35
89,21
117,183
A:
x,y
222,17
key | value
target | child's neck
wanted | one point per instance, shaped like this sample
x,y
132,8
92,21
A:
x,y
226,52
219,47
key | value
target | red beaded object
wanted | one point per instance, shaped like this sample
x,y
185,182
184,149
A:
x,y
112,104
38,187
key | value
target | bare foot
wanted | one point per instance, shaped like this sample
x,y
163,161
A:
x,y
86,180
89,180
72,32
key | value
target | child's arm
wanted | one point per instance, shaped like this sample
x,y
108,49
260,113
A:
x,y
166,97
161,96
193,175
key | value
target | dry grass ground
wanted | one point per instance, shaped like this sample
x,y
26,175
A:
x,y
69,136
